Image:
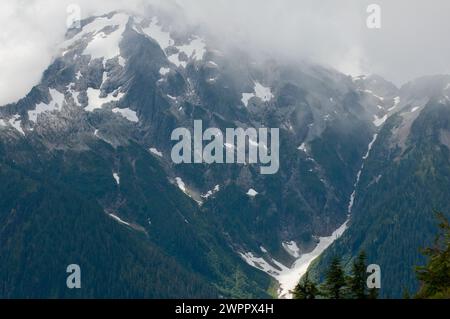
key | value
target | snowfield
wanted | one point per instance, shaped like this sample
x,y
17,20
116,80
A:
x,y
127,113
57,100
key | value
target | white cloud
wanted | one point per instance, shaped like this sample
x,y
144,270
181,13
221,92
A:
x,y
412,41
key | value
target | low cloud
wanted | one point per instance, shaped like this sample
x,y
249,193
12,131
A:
x,y
412,42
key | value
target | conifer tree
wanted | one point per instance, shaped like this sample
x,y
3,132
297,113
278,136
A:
x,y
358,280
373,293
435,276
306,289
334,287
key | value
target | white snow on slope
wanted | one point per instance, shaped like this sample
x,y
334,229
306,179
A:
x,y
164,71
122,61
2,122
156,152
379,121
414,109
119,220
16,123
396,103
116,178
373,94
261,264
127,113
260,91
195,50
181,185
102,45
246,97
303,148
374,139
211,192
252,193
96,102
156,32
358,175
292,249
56,103
289,277
175,59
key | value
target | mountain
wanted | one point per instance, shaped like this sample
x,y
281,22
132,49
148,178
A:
x,y
404,182
90,180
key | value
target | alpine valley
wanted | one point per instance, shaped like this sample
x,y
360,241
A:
x,y
86,175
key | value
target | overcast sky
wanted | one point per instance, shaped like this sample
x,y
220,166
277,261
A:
x,y
413,40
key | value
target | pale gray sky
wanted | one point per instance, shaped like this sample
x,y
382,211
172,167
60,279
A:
x,y
412,42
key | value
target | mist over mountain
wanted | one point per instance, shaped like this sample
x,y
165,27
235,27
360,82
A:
x,y
328,33
86,160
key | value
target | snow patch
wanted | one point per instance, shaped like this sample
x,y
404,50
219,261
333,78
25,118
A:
x,y
96,102
56,104
379,121
156,32
396,103
195,50
260,91
261,264
122,61
246,97
303,148
292,248
252,193
211,192
156,152
116,178
16,123
181,185
164,71
374,139
127,113
106,46
119,220
175,59
373,94
414,109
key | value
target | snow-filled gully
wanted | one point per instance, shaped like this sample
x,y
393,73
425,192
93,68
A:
x,y
289,277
